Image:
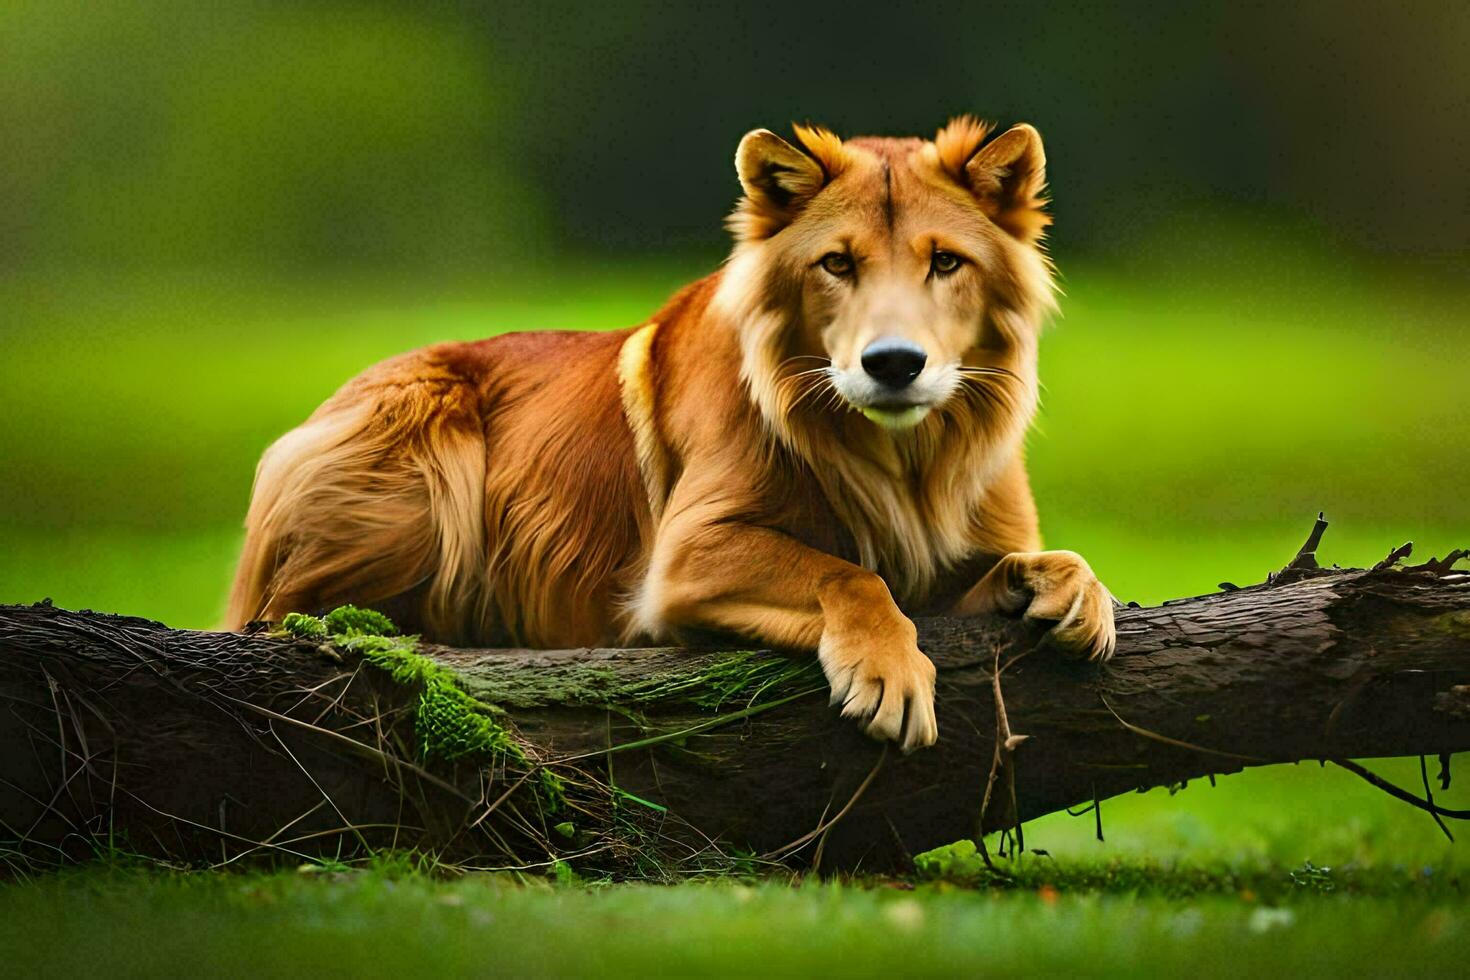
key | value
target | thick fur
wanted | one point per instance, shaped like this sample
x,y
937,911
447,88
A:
x,y
725,467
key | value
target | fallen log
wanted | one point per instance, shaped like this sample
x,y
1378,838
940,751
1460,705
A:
x,y
217,748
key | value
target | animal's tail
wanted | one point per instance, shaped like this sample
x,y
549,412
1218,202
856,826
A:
x,y
379,493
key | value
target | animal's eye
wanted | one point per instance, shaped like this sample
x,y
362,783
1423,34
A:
x,y
945,262
838,264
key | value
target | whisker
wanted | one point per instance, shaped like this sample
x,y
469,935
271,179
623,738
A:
x,y
813,381
997,372
799,378
806,393
834,398
981,384
786,379
803,357
811,388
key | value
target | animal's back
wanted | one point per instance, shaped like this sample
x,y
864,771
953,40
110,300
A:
x,y
483,492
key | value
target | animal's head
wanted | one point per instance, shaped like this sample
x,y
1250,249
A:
x,y
901,278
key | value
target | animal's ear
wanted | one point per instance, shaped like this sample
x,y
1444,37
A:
x,y
774,173
780,179
1006,175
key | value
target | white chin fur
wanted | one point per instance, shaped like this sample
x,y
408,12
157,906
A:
x,y
902,418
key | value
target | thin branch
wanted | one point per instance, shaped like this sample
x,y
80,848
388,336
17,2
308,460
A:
x,y
1442,566
1429,797
1097,809
324,794
1178,743
1306,556
1395,556
355,747
822,828
1402,794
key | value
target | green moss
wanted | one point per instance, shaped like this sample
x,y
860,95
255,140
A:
x,y
564,684
452,725
1455,623
350,620
344,621
959,862
449,722
304,627
553,791
743,676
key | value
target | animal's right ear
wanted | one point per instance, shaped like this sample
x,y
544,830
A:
x,y
779,179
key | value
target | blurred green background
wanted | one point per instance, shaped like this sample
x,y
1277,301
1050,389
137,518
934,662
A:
x,y
211,215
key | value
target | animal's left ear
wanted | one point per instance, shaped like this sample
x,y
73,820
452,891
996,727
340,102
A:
x,y
1008,176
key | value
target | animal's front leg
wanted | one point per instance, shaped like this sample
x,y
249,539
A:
x,y
756,581
870,654
1057,587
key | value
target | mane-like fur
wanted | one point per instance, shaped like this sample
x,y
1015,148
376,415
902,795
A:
x,y
909,499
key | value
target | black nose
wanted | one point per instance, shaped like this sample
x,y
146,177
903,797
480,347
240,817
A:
x,y
893,362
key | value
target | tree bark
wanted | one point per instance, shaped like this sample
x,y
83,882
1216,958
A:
x,y
214,747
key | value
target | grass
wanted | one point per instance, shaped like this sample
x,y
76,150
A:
x,y
379,923
1199,410
1317,876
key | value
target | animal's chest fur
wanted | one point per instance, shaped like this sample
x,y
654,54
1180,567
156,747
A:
x,y
912,504
896,524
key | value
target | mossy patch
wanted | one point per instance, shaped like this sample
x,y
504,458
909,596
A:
x,y
744,676
1456,624
449,722
304,627
350,620
710,682
957,862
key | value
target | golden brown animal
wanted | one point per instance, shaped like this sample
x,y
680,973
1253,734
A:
x,y
796,449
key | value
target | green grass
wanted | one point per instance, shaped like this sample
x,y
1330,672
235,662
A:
x,y
377,924
1197,415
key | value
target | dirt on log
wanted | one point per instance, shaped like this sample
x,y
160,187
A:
x,y
214,748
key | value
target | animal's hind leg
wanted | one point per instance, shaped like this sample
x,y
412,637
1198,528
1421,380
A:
x,y
376,500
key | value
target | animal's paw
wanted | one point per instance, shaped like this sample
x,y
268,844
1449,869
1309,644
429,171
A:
x,y
1056,587
885,682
